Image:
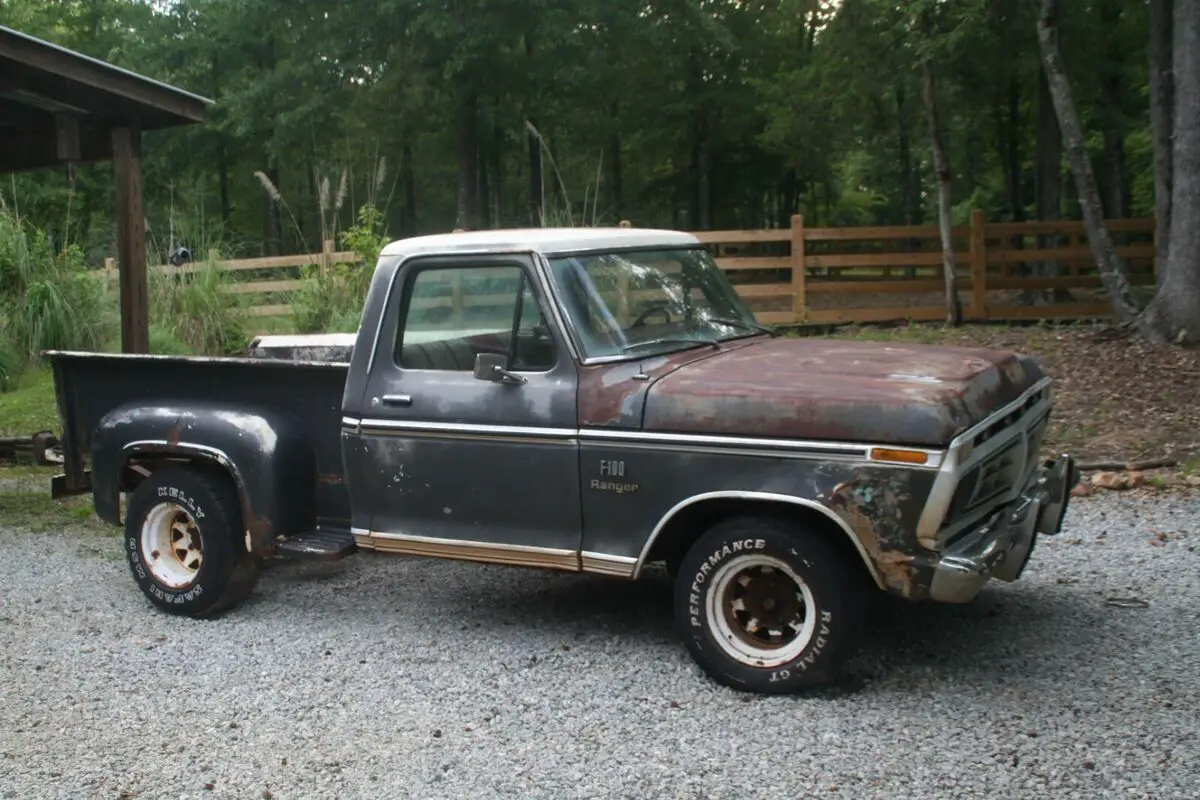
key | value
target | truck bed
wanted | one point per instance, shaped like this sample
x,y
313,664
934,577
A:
x,y
90,385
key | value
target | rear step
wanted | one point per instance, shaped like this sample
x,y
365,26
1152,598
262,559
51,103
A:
x,y
322,545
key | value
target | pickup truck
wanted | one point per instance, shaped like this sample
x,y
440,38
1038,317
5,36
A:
x,y
588,400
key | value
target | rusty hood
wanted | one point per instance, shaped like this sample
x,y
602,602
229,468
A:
x,y
841,390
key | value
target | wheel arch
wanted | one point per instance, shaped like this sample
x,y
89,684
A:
x,y
264,453
678,527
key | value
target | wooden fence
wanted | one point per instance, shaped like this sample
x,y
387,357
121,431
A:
x,y
1004,271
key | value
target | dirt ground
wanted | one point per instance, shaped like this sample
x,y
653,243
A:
x,y
1117,399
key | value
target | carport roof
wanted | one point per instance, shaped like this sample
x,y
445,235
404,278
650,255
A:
x,y
59,106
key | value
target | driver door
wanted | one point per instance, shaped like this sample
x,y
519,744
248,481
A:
x,y
484,468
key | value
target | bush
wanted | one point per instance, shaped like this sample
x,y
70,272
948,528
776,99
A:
x,y
164,341
198,311
331,298
49,301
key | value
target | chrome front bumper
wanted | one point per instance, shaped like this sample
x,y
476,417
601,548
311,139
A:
x,y
1001,545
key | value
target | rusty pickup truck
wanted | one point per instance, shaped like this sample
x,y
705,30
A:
x,y
588,400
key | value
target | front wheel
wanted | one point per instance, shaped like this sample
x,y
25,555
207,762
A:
x,y
767,607
183,535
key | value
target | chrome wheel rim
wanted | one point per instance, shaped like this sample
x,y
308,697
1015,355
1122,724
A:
x,y
761,612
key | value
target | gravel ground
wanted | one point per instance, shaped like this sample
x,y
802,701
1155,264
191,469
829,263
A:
x,y
390,677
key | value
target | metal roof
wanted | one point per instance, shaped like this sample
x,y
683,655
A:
x,y
58,106
548,241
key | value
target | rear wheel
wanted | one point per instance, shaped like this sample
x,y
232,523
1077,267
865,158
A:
x,y
183,532
766,607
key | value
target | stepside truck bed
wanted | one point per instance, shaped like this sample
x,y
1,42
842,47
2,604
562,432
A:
x,y
307,396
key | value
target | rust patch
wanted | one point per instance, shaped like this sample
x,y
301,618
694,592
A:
x,y
832,389
614,394
874,507
331,478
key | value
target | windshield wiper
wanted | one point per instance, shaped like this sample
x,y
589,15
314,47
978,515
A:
x,y
737,323
694,342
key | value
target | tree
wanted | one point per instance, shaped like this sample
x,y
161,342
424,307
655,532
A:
x,y
1174,313
1112,271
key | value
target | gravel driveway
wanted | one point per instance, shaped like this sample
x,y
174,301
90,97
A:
x,y
383,676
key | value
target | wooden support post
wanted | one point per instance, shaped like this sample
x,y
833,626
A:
x,y
327,253
799,299
978,266
131,240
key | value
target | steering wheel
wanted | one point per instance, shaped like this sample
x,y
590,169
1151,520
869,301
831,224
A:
x,y
661,305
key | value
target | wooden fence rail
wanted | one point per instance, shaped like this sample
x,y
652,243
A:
x,y
1004,271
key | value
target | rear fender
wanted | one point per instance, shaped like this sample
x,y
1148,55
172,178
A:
x,y
266,452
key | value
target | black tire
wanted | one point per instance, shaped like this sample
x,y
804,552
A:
x,y
195,503
743,546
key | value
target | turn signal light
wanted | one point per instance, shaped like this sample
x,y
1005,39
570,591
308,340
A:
x,y
901,456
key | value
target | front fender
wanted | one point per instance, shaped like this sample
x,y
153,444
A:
x,y
267,452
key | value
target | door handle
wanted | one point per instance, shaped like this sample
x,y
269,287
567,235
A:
x,y
397,399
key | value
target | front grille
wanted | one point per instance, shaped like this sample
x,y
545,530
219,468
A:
x,y
985,483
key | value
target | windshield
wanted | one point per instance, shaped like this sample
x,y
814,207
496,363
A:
x,y
649,301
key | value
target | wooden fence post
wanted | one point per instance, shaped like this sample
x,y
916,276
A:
x,y
327,253
799,299
978,266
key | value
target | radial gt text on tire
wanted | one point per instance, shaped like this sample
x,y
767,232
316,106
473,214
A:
x,y
183,539
765,606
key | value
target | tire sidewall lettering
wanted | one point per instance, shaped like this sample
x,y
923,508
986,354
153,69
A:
x,y
705,634
158,593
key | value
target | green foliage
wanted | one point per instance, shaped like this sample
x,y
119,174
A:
x,y
48,300
366,238
795,105
195,311
331,297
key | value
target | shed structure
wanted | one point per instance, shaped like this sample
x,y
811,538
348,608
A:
x,y
59,108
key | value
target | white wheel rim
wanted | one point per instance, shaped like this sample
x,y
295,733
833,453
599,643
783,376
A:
x,y
761,612
171,545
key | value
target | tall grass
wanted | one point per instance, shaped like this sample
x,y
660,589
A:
x,y
194,311
331,298
48,300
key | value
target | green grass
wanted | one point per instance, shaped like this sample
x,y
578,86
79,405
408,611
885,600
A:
x,y
30,408
25,503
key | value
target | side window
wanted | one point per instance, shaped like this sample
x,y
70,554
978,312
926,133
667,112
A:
x,y
455,313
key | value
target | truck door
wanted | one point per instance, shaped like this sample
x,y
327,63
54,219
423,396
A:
x,y
468,447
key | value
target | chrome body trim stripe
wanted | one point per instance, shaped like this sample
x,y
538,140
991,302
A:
x,y
465,550
793,448
468,428
760,497
944,485
605,564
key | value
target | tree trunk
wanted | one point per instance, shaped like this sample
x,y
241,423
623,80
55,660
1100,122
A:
x,y
614,164
496,164
1112,271
410,190
942,167
223,183
909,184
1008,129
467,170
1049,152
1174,315
1161,111
483,162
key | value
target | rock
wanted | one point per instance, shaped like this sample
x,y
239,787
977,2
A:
x,y
1192,480
1111,480
1082,489
1136,479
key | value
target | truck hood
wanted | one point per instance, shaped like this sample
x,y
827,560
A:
x,y
821,389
